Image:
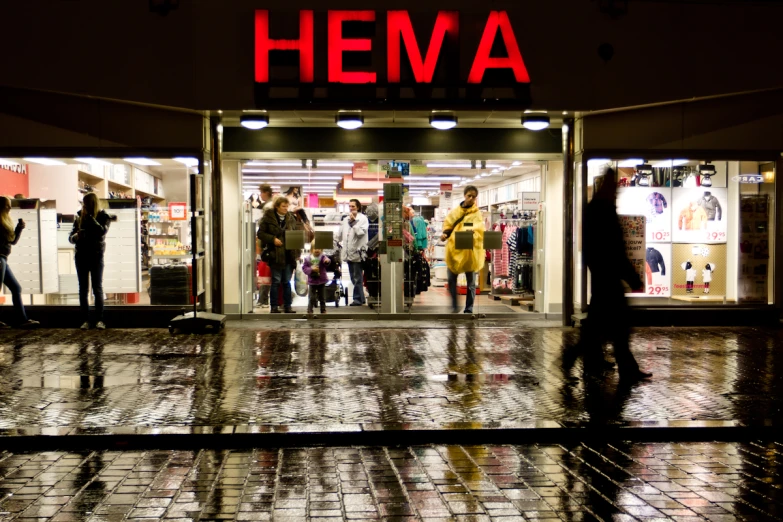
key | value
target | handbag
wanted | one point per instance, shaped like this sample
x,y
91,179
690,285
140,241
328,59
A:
x,y
300,281
267,254
448,232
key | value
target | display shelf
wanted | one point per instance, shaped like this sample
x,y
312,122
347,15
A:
x,y
118,184
87,176
143,193
163,235
171,256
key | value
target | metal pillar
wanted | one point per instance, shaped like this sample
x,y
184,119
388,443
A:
x,y
568,220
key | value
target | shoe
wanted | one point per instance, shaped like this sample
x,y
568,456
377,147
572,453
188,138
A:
x,y
100,326
289,311
275,310
265,305
30,324
636,376
4,326
355,303
323,310
309,311
455,310
85,326
468,312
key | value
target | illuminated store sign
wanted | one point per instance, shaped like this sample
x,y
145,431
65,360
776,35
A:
x,y
353,50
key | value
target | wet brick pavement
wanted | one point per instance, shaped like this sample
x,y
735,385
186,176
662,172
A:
x,y
366,376
684,482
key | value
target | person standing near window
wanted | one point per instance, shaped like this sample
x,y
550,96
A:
x,y
89,237
9,236
353,237
282,262
464,218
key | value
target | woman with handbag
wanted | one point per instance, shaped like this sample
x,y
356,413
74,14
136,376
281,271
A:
x,y
464,218
9,236
282,262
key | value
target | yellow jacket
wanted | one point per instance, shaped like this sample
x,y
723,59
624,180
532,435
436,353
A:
x,y
461,261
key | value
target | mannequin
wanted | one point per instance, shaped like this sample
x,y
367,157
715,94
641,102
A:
x,y
706,275
690,275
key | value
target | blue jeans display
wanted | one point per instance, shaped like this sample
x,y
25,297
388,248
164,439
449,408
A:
x,y
89,269
471,296
357,276
7,278
281,275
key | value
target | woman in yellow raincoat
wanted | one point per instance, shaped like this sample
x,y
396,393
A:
x,y
464,218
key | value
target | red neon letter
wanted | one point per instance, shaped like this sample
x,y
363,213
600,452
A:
x,y
398,24
338,44
304,45
482,62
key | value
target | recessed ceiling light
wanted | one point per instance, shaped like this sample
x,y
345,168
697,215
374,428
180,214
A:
x,y
189,162
255,121
443,120
93,161
142,161
44,161
516,164
349,120
4,161
535,122
457,166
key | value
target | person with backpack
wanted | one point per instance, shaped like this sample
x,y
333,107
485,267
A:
x,y
89,237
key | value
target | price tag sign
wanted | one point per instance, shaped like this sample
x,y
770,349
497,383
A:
x,y
178,211
658,290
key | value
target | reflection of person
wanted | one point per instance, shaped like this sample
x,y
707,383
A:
x,y
9,236
692,217
266,196
282,262
464,218
353,237
315,268
293,198
608,314
89,237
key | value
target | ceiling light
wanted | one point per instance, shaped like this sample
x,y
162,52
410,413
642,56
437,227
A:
x,y
287,171
630,162
435,178
44,161
188,162
92,161
535,122
443,120
273,163
4,161
516,164
486,174
349,120
255,121
142,161
477,177
644,168
707,169
457,166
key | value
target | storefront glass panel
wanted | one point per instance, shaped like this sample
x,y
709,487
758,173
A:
x,y
148,245
699,233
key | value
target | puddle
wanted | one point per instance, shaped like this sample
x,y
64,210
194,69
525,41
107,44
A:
x,y
76,382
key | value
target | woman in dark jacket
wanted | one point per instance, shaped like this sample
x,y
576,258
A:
x,y
89,236
282,262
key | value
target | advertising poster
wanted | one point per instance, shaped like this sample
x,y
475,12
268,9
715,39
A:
x,y
700,215
658,275
753,249
652,202
698,272
633,235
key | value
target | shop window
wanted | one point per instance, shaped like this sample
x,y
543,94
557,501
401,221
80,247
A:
x,y
147,257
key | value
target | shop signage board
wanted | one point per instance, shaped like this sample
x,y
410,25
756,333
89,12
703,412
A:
x,y
656,203
322,54
446,186
749,178
633,235
529,200
178,211
700,215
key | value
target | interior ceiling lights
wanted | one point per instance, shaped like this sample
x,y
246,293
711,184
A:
x,y
443,121
535,122
349,120
254,121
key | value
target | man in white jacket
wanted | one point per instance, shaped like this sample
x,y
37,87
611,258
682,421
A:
x,y
353,238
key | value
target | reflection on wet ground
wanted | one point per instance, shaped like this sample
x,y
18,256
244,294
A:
x,y
439,374
719,482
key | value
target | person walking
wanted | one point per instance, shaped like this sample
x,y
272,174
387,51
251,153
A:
x,y
282,262
608,317
265,190
9,236
89,237
353,237
263,270
464,218
315,268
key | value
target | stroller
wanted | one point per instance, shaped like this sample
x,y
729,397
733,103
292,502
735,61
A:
x,y
334,289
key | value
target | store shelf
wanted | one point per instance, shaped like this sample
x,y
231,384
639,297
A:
x,y
118,184
140,192
90,177
171,256
163,235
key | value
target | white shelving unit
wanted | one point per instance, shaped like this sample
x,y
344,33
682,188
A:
x,y
122,271
34,258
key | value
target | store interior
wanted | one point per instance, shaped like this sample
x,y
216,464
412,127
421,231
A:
x,y
148,247
511,281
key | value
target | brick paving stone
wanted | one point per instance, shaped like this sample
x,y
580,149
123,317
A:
x,y
315,376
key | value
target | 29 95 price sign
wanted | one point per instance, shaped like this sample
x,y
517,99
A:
x,y
657,290
715,236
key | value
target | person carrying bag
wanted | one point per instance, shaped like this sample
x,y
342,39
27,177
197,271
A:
x,y
282,262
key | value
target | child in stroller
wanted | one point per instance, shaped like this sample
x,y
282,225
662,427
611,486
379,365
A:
x,y
334,288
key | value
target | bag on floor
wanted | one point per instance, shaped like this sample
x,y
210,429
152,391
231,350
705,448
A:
x,y
300,281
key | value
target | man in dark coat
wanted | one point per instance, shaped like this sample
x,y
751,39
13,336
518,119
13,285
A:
x,y
608,314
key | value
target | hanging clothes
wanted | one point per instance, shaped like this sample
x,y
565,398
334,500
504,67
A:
x,y
419,233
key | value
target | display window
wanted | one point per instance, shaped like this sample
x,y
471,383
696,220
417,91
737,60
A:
x,y
403,265
708,228
147,253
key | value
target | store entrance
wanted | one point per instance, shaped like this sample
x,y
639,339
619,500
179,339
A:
x,y
344,211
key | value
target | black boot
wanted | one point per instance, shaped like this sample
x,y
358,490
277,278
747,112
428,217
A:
x,y
275,310
289,310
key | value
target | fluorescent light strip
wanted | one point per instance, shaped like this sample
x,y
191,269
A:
x,y
93,161
4,161
275,178
44,161
189,162
299,163
142,161
630,162
459,166
303,172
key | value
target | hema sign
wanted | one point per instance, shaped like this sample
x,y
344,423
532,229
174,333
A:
x,y
338,52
